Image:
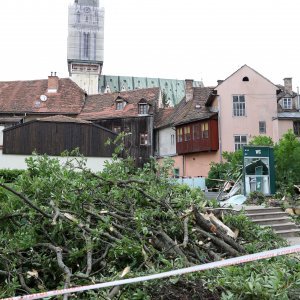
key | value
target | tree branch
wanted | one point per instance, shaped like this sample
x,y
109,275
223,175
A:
x,y
186,232
26,200
61,264
23,283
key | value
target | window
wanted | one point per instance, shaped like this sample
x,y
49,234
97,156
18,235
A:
x,y
143,109
187,133
239,105
117,129
204,130
120,105
86,44
78,17
287,103
179,135
262,127
196,132
245,78
176,172
239,141
144,139
172,139
297,128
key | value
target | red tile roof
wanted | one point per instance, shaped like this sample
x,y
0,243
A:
x,y
62,119
163,117
104,106
186,112
24,97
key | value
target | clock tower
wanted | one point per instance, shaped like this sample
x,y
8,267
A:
x,y
86,44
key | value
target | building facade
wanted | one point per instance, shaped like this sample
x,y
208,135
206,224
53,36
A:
x,y
209,121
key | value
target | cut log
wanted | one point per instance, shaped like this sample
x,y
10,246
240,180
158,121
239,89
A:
x,y
202,222
218,242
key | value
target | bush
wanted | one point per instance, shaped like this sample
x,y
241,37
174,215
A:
x,y
228,170
10,175
256,197
287,162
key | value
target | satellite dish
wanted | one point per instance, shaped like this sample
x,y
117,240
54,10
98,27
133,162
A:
x,y
43,98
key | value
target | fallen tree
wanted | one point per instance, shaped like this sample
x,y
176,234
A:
x,y
63,226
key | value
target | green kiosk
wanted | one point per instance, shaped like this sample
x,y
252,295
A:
x,y
259,170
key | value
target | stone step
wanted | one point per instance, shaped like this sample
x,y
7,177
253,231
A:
x,y
288,233
277,219
267,215
284,226
282,220
293,240
261,210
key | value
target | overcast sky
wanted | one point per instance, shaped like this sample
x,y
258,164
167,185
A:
x,y
196,39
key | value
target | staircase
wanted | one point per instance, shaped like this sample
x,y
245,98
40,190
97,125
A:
x,y
277,219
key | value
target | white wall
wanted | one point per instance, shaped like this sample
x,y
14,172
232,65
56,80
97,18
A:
x,y
8,161
165,148
1,135
88,82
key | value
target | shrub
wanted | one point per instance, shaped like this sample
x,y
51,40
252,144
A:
x,y
10,175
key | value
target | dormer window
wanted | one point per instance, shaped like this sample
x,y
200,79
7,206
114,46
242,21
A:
x,y
120,105
143,109
287,103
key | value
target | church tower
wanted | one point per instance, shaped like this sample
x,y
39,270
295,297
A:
x,y
86,44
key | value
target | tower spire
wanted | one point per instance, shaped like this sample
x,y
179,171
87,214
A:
x,y
86,44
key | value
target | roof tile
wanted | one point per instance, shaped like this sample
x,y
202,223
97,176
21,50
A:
x,y
186,112
102,106
24,96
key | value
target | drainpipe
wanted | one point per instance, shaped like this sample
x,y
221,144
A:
x,y
157,143
298,98
183,165
220,128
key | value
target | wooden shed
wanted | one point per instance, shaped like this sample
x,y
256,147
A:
x,y
53,135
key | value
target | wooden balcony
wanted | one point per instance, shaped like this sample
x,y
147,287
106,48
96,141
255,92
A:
x,y
198,136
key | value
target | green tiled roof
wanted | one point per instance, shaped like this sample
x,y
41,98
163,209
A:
x,y
174,88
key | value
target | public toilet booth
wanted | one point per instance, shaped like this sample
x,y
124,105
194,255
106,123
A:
x,y
259,171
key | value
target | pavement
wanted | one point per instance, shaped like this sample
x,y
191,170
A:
x,y
293,240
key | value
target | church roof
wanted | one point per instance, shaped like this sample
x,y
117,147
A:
x,y
173,88
24,97
103,106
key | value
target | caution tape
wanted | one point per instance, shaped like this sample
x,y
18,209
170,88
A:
x,y
212,265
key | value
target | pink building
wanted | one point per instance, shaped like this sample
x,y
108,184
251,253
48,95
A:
x,y
247,105
228,116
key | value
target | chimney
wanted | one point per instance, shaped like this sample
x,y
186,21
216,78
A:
x,y
52,83
288,86
189,90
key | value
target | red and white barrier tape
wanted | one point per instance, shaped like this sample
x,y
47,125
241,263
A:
x,y
217,264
